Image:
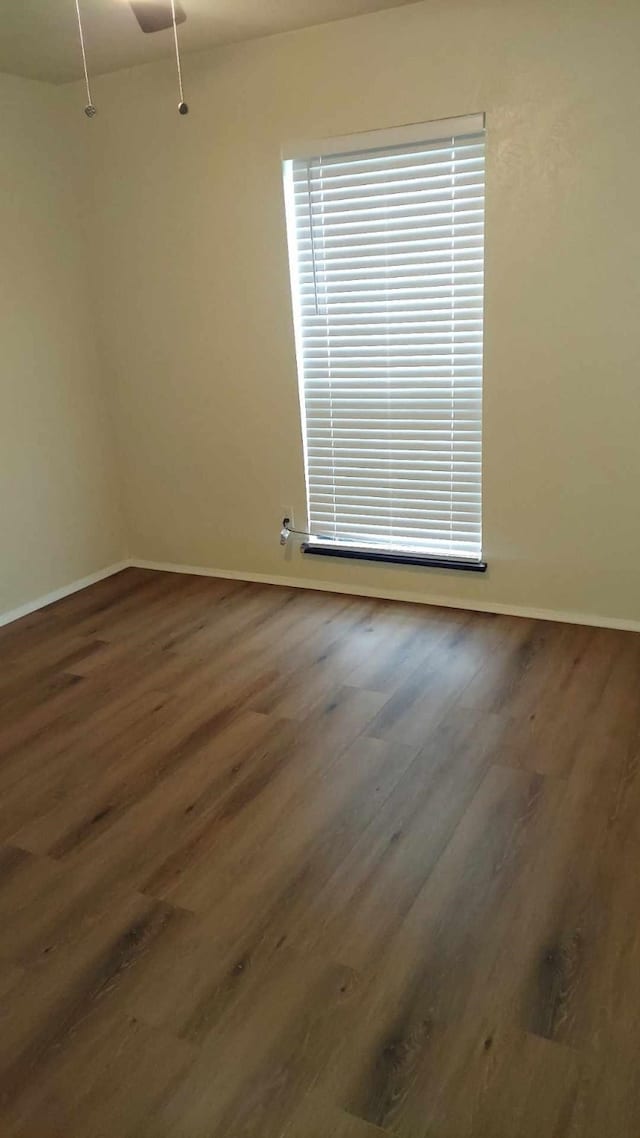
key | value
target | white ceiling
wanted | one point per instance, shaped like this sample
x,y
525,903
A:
x,y
39,38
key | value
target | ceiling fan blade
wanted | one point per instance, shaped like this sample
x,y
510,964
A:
x,y
155,15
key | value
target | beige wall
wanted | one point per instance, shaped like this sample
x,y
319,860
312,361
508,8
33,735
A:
x,y
59,511
192,278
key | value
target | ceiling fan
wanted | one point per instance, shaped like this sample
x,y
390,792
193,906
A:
x,y
156,15
152,16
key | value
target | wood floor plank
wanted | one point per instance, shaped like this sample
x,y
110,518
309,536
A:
x,y
281,807
316,1117
55,997
132,1069
279,864
269,886
438,681
365,900
429,976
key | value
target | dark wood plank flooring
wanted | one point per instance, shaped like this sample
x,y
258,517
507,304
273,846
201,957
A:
x,y
286,864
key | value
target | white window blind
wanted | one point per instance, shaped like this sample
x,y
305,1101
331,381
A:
x,y
387,260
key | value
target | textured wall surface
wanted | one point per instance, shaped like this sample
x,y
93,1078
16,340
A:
x,y
60,518
191,277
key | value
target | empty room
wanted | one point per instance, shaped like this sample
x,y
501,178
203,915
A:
x,y
319,569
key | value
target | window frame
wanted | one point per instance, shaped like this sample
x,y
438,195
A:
x,y
418,133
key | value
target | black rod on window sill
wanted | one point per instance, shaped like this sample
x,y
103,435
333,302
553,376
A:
x,y
328,549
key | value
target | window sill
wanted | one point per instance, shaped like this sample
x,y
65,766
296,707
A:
x,y
328,549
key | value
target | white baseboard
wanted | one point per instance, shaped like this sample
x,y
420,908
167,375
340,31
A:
x,y
593,620
65,591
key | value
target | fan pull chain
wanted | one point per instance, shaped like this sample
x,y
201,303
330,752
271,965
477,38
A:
x,y
89,110
183,107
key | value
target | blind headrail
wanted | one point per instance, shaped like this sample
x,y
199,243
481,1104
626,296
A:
x,y
391,136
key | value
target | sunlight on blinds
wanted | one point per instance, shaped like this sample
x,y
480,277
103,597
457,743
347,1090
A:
x,y
387,260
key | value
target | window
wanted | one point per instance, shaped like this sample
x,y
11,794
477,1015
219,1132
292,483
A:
x,y
387,258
